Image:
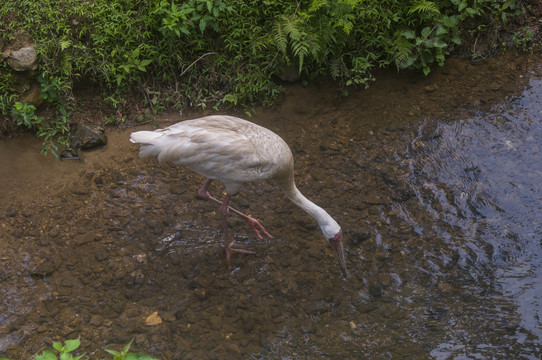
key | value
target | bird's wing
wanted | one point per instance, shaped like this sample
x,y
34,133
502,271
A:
x,y
216,149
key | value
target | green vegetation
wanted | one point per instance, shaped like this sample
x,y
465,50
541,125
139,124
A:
x,y
64,352
219,53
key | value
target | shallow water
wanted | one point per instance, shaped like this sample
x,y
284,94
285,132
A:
x,y
434,180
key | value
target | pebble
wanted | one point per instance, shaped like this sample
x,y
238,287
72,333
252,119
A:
x,y
153,319
96,320
444,287
215,322
316,252
84,238
200,293
79,189
101,255
44,267
431,87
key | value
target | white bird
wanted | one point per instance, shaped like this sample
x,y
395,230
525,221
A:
x,y
235,151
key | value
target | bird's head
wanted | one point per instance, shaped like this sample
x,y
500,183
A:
x,y
337,243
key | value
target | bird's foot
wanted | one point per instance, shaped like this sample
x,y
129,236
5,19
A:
x,y
257,227
203,195
230,250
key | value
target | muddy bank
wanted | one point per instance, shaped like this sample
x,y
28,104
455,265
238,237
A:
x,y
95,248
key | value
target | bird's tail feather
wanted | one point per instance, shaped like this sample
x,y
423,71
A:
x,y
150,145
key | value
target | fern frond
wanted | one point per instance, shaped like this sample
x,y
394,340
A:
x,y
316,5
402,50
291,28
300,50
424,6
281,39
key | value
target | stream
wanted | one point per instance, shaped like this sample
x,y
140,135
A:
x,y
435,181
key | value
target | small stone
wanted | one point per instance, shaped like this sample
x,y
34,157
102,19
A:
x,y
352,325
80,190
96,320
87,137
200,293
169,317
101,255
316,252
153,319
444,287
431,87
233,348
23,59
42,329
84,238
32,96
215,322
141,340
43,267
70,154
495,86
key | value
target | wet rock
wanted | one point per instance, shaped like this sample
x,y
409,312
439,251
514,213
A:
x,y
87,137
431,87
316,307
265,337
200,293
444,287
153,319
96,320
190,316
495,86
141,340
316,252
358,237
23,59
44,267
85,238
233,348
215,322
167,316
79,189
32,96
70,154
99,180
119,307
101,255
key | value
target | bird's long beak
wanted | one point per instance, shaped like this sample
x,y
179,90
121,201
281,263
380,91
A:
x,y
337,243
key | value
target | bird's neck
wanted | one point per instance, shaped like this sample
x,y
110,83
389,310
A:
x,y
327,224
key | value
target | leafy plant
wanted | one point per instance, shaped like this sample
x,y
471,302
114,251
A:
x,y
218,53
7,91
125,355
25,115
523,38
64,352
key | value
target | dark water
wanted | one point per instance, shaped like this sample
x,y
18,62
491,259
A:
x,y
479,180
435,181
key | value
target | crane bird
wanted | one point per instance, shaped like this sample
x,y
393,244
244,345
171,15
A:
x,y
235,151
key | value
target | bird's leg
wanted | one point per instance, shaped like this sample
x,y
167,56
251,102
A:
x,y
228,245
254,224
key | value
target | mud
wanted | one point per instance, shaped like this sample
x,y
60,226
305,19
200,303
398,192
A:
x,y
114,248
